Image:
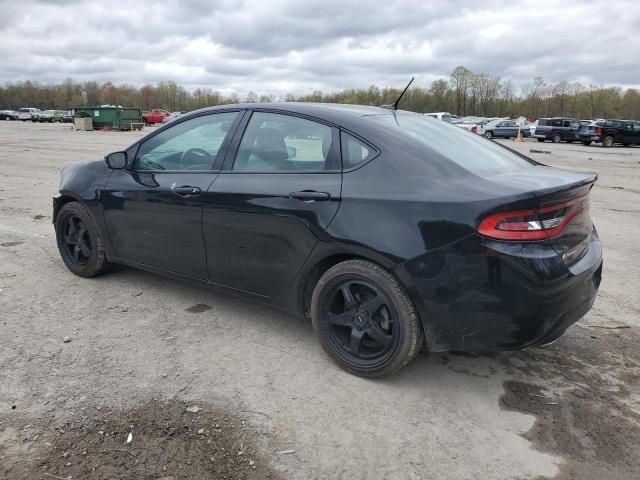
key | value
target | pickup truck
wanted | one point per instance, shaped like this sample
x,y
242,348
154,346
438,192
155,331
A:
x,y
157,115
609,132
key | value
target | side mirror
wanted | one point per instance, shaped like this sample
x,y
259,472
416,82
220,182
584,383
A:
x,y
116,160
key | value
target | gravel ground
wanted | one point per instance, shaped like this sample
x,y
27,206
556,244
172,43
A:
x,y
142,348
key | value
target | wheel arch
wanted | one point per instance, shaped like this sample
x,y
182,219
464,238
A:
x,y
61,200
317,265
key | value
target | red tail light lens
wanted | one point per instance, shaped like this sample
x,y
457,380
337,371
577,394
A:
x,y
534,224
599,131
474,129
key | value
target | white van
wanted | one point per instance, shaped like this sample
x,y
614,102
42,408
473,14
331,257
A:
x,y
444,116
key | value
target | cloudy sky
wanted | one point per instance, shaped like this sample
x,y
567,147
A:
x,y
280,46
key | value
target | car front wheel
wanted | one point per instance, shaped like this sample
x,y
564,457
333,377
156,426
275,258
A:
x,y
556,138
79,242
364,319
489,134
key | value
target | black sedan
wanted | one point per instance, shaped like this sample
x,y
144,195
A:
x,y
388,229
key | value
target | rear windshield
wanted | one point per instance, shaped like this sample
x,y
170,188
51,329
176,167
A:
x,y
24,110
472,152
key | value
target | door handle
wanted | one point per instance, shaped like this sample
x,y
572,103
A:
x,y
185,191
310,196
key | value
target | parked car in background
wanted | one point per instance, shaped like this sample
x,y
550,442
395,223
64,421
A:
x,y
387,229
610,132
172,116
471,123
8,115
51,116
67,117
557,129
29,113
504,129
157,115
444,116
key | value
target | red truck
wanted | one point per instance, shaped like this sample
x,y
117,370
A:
x,y
157,115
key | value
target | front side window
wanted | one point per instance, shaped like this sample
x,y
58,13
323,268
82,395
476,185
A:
x,y
275,142
190,145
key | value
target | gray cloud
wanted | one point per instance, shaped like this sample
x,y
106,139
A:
x,y
281,46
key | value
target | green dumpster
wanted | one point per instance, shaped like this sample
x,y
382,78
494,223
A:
x,y
117,118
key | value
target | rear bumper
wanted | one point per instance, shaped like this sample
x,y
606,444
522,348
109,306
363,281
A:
x,y
589,138
482,295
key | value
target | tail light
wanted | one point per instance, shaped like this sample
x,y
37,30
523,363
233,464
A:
x,y
474,129
599,131
534,224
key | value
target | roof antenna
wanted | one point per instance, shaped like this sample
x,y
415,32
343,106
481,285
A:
x,y
394,105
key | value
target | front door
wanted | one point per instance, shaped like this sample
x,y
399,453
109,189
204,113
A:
x,y
153,210
271,203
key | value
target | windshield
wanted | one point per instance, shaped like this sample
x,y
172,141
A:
x,y
472,152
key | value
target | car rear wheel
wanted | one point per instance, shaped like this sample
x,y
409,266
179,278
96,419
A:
x,y
556,138
79,242
364,319
607,141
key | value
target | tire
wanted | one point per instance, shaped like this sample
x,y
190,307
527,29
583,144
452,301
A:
x,y
626,144
586,143
388,315
86,259
569,141
607,141
557,138
489,134
541,140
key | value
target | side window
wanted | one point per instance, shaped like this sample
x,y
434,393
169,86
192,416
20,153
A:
x,y
566,123
636,127
190,145
556,123
354,152
275,142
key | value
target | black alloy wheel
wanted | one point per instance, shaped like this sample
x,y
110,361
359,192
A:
x,y
78,241
364,319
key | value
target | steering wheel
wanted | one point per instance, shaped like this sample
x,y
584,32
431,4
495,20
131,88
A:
x,y
198,152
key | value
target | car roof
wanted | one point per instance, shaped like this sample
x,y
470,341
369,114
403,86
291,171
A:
x,y
327,111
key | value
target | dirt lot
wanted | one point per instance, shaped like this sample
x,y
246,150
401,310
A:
x,y
269,403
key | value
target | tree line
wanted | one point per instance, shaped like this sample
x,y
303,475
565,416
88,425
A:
x,y
463,93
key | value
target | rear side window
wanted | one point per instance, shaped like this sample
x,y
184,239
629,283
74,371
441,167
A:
x,y
543,122
354,151
556,123
275,142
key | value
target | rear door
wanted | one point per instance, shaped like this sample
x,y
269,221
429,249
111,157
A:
x,y
277,193
153,209
631,133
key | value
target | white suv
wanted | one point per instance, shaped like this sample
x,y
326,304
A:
x,y
32,114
